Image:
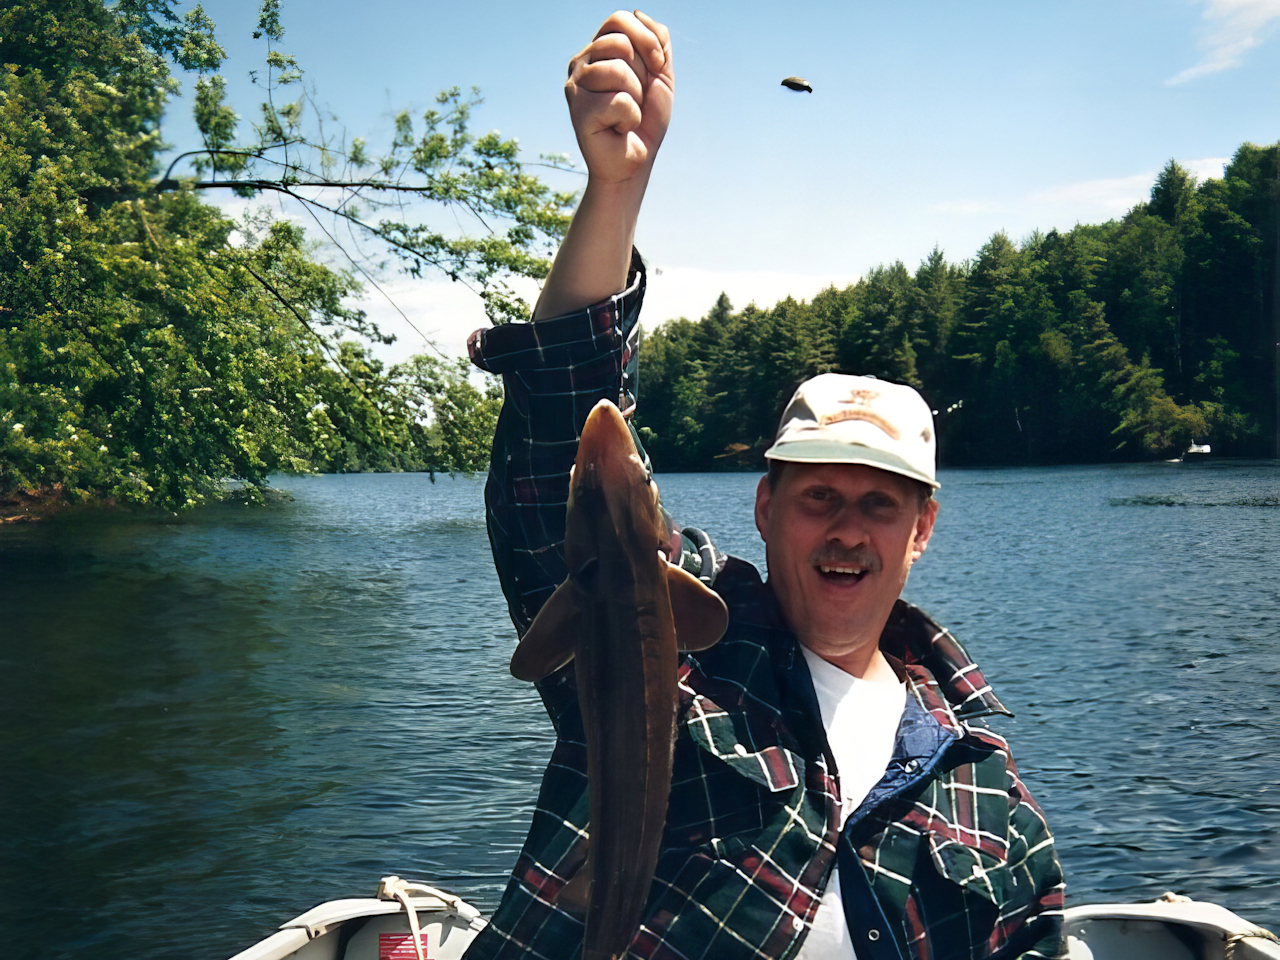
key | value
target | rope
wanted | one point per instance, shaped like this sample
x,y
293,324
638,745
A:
x,y
1235,939
393,888
1257,933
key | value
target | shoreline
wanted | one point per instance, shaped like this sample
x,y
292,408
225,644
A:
x,y
31,506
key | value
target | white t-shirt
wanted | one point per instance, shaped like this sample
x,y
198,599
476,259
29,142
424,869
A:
x,y
861,719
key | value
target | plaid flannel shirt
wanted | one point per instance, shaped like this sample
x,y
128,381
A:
x,y
950,855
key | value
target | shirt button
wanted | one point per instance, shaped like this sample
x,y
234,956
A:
x,y
797,923
873,935
741,751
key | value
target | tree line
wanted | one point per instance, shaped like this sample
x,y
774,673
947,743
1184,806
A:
x,y
151,347
1117,341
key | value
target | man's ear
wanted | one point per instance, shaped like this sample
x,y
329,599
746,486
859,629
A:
x,y
764,499
924,529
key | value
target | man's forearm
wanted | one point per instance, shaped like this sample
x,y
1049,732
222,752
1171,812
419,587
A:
x,y
620,90
554,372
594,259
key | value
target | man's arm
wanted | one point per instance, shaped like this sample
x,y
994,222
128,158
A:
x,y
620,91
556,369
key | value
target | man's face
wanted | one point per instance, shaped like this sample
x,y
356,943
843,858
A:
x,y
840,540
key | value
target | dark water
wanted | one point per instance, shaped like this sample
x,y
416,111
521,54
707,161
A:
x,y
208,726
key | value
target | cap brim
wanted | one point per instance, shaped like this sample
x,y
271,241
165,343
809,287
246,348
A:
x,y
831,451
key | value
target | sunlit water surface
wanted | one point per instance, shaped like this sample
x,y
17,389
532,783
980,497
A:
x,y
211,724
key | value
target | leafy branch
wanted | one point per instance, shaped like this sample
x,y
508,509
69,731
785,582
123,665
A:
x,y
508,221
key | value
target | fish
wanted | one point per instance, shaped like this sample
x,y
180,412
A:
x,y
622,616
797,84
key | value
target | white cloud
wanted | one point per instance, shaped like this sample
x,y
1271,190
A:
x,y
419,312
447,312
443,312
1113,195
1208,168
1088,200
689,292
966,207
1236,27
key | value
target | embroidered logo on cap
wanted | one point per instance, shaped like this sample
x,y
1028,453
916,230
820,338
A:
x,y
860,401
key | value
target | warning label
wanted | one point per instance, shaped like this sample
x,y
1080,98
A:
x,y
399,946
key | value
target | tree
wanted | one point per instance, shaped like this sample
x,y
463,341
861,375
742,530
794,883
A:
x,y
1173,195
938,292
343,186
144,356
878,331
1232,277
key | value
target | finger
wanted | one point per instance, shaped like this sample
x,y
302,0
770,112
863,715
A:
x,y
613,111
612,46
660,31
644,40
610,75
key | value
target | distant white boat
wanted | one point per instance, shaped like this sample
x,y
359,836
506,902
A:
x,y
1197,448
411,921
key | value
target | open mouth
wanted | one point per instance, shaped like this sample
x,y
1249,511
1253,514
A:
x,y
841,574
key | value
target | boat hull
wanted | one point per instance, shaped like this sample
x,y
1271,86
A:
x,y
374,929
1172,928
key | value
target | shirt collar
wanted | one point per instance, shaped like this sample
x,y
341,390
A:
x,y
944,678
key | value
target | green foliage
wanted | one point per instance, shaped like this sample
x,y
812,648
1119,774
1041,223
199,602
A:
x,y
462,417
217,125
394,198
150,347
1123,340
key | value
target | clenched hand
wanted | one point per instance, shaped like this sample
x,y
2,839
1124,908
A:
x,y
620,90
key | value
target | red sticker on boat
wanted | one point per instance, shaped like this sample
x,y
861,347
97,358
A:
x,y
399,946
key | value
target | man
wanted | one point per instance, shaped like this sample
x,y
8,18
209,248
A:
x,y
831,793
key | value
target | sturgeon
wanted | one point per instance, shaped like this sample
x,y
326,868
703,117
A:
x,y
621,616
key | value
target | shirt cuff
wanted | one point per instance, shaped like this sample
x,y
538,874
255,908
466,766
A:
x,y
563,341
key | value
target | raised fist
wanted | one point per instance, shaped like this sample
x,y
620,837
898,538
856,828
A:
x,y
620,89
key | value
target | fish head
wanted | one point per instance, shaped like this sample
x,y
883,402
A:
x,y
612,494
616,533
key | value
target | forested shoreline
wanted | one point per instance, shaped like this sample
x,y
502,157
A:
x,y
1125,340
153,348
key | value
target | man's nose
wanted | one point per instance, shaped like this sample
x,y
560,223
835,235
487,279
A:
x,y
848,527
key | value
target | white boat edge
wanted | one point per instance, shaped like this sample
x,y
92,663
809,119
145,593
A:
x,y
1172,928
447,924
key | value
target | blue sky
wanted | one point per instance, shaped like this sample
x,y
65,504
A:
x,y
930,124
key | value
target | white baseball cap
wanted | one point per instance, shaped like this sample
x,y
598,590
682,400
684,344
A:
x,y
838,418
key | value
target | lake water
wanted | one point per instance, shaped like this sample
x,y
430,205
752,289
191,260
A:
x,y
211,724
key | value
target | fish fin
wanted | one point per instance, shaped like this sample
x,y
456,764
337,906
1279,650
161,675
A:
x,y
548,643
574,895
700,615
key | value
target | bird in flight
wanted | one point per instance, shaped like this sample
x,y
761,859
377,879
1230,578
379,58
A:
x,y
797,83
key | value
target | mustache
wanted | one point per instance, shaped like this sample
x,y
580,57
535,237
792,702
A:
x,y
831,555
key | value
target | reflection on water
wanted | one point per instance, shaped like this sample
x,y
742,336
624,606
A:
x,y
212,724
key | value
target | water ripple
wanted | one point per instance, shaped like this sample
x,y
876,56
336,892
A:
x,y
216,723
